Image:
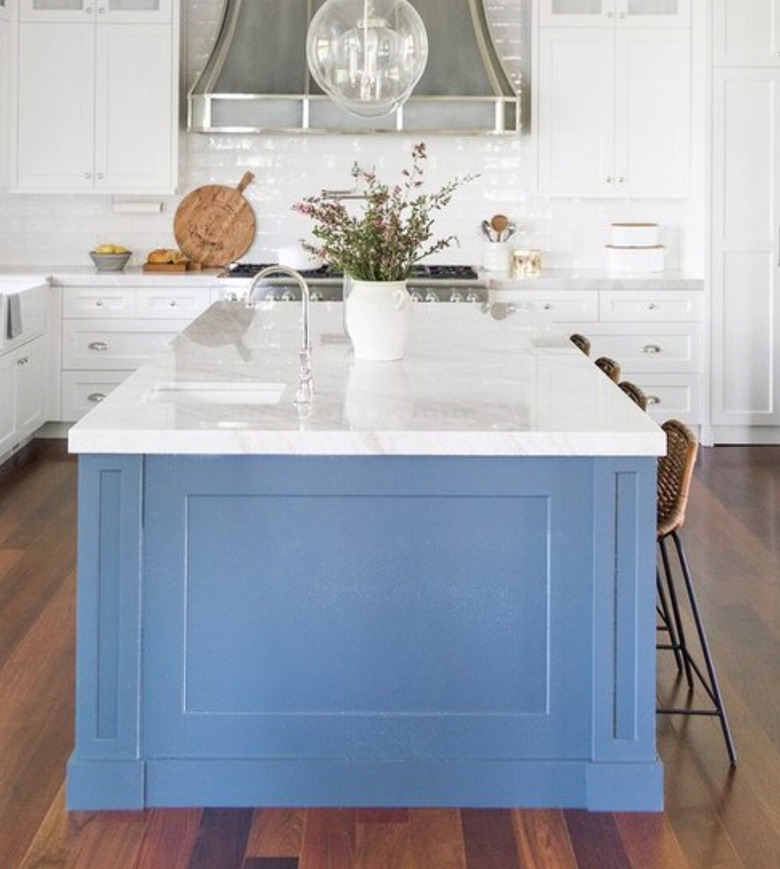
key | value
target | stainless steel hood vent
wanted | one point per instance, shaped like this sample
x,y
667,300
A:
x,y
256,79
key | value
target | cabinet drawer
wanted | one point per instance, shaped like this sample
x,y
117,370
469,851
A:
x,y
660,306
165,304
83,390
638,347
98,302
559,305
115,344
671,396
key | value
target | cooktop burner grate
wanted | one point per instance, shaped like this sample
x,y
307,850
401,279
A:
x,y
419,272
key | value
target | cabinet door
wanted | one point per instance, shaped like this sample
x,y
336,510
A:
x,y
5,10
576,111
577,13
6,77
746,32
134,11
7,402
57,10
31,399
745,227
652,13
134,106
652,114
56,99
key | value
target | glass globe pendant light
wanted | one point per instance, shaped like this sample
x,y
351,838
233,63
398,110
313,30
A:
x,y
367,55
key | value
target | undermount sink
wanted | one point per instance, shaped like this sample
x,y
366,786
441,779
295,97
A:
x,y
220,392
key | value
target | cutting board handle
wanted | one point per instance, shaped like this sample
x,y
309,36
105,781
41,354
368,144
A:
x,y
245,181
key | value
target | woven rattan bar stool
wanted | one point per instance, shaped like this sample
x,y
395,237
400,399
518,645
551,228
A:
x,y
675,471
634,393
580,341
609,367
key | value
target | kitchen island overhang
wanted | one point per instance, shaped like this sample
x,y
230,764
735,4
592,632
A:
x,y
442,609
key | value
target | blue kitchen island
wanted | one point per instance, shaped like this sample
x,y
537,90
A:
x,y
431,586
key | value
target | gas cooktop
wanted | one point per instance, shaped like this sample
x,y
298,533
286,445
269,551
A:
x,y
418,273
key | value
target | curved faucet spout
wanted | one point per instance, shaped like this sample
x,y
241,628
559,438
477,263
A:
x,y
305,377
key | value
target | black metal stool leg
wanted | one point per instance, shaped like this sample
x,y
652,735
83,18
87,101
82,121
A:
x,y
714,689
682,644
667,624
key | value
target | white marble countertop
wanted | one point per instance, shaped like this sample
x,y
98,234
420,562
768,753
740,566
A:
x,y
550,279
482,382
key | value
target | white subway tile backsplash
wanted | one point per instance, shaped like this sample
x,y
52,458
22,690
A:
x,y
62,229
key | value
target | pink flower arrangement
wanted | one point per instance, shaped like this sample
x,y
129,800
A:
x,y
393,233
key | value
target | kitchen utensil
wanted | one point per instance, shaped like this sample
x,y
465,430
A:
x,y
214,225
499,223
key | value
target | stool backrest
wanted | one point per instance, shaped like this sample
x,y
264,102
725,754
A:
x,y
675,471
580,341
634,393
609,367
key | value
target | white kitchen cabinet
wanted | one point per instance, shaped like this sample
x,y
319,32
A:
x,y
6,78
613,113
745,252
114,11
97,107
22,394
5,10
597,13
108,332
746,32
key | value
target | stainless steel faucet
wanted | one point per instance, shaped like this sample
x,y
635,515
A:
x,y
303,394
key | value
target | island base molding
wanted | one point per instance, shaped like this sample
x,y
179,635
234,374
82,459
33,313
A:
x,y
344,783
381,630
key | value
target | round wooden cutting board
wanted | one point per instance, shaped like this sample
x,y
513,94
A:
x,y
214,225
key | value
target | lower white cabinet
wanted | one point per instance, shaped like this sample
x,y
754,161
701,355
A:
x,y
22,393
656,335
108,332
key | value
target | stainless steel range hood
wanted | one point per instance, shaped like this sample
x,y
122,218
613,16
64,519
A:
x,y
256,79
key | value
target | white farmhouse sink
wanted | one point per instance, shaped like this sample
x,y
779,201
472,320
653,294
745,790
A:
x,y
220,392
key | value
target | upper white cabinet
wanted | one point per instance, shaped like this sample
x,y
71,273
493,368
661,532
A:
x,y
97,100
113,11
5,10
613,111
634,13
746,32
6,78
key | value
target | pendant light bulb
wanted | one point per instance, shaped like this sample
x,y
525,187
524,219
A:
x,y
367,55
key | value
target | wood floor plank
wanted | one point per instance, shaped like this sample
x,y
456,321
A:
x,y
169,838
49,847
383,846
105,839
489,839
436,839
329,839
650,842
595,840
276,833
543,839
270,863
222,839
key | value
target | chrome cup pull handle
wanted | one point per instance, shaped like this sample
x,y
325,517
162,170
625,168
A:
x,y
98,346
651,349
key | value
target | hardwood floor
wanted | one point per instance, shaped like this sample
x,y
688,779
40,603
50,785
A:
x,y
714,819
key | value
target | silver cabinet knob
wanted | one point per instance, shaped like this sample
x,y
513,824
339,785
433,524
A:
x,y
431,297
288,296
621,179
98,303
98,346
548,306
653,399
88,10
87,175
472,297
455,296
416,297
100,176
651,349
609,179
172,303
652,306
316,296
96,397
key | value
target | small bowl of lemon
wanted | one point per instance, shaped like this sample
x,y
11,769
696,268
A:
x,y
110,257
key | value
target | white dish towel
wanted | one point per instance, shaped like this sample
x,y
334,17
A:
x,y
14,316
